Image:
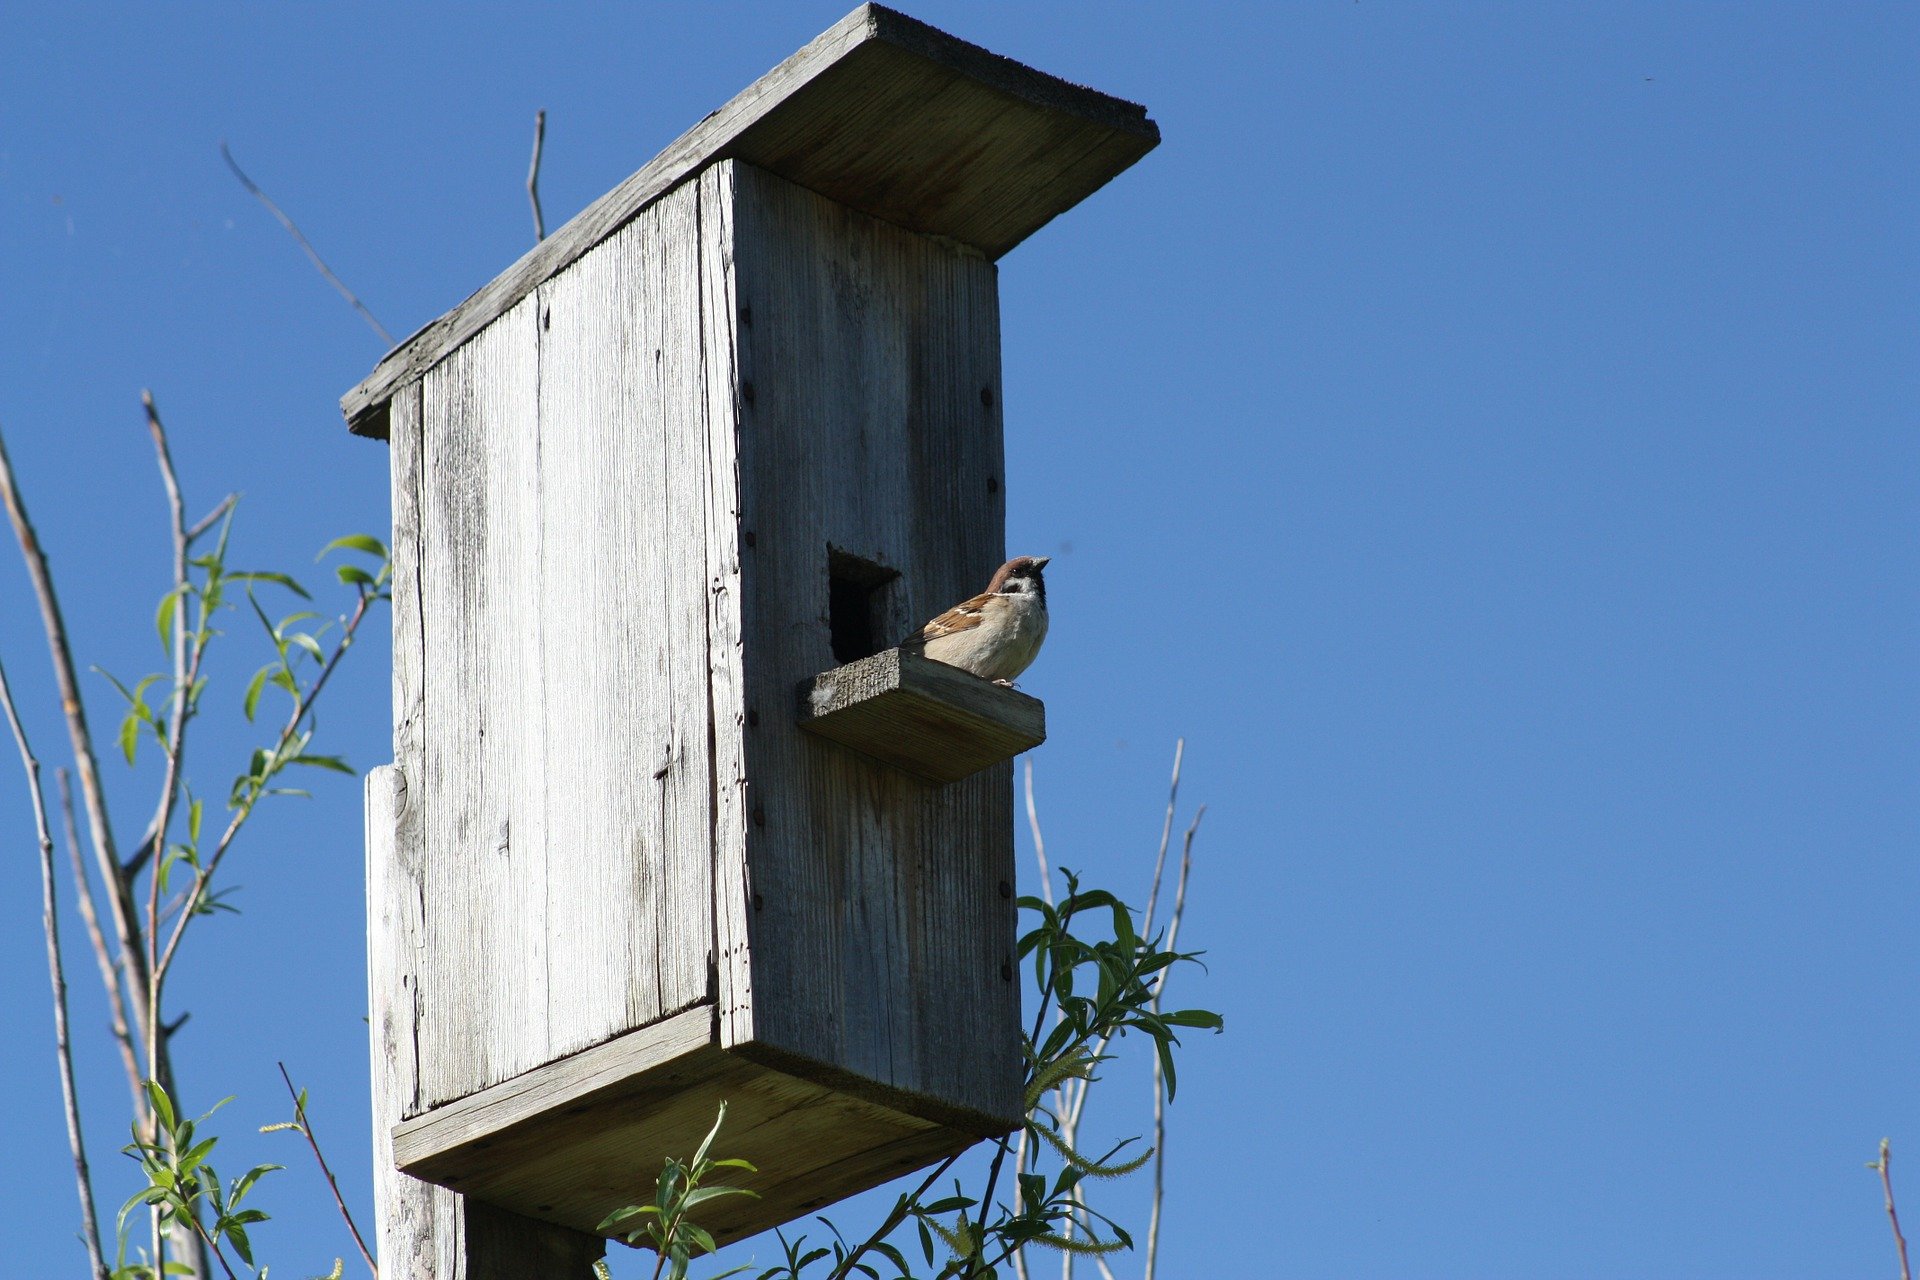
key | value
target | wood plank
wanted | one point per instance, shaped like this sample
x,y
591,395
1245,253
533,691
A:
x,y
934,721
881,112
883,922
602,537
730,724
550,1088
687,945
574,1140
483,1008
417,1224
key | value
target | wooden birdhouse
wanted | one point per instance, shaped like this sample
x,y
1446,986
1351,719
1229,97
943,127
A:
x,y
734,427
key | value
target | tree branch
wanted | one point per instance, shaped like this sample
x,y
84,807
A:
x,y
313,255
126,924
533,175
63,1048
212,517
306,1131
1885,1167
177,721
109,973
1159,1083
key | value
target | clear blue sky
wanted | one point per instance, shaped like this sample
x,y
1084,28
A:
x,y
1486,432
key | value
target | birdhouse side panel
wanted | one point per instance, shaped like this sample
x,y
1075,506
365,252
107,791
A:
x,y
567,740
482,1012
622,482
881,917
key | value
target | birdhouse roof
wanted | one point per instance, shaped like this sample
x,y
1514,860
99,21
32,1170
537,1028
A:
x,y
881,112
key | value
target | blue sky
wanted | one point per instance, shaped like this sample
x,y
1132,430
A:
x,y
1485,432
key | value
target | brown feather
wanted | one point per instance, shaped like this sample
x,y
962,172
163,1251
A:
x,y
962,617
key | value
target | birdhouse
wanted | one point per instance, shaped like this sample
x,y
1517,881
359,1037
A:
x,y
670,823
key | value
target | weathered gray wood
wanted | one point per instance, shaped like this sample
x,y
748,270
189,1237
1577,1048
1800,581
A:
x,y
881,928
418,1224
622,480
931,720
423,1231
572,1141
882,113
732,894
425,1141
483,1000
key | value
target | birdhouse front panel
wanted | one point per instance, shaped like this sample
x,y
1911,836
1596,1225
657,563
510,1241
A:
x,y
880,914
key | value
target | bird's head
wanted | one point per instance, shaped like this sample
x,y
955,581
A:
x,y
1021,576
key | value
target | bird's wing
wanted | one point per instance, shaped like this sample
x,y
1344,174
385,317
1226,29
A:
x,y
962,617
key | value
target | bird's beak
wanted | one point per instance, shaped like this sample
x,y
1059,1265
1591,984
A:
x,y
1040,562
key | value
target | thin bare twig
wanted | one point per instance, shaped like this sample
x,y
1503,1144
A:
x,y
126,924
306,1131
1885,1167
1166,835
1159,1084
1039,842
90,916
533,175
63,1048
177,721
1077,1099
313,256
212,517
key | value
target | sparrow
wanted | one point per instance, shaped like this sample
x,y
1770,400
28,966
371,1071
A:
x,y
997,634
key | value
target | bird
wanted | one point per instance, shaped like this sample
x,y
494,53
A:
x,y
996,635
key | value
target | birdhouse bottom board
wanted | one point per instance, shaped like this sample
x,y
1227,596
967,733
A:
x,y
577,1139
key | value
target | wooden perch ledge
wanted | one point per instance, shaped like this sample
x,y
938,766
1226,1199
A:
x,y
923,717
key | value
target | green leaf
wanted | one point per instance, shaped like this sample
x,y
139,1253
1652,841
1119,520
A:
x,y
353,575
254,687
241,1245
194,810
244,1183
707,1142
307,643
704,1194
278,579
335,763
130,736
163,618
161,1104
355,542
1204,1019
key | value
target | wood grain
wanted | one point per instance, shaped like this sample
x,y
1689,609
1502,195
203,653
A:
x,y
882,920
621,488
880,112
483,1014
934,721
574,1140
726,691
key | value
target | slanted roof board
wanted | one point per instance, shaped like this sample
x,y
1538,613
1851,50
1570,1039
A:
x,y
881,112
